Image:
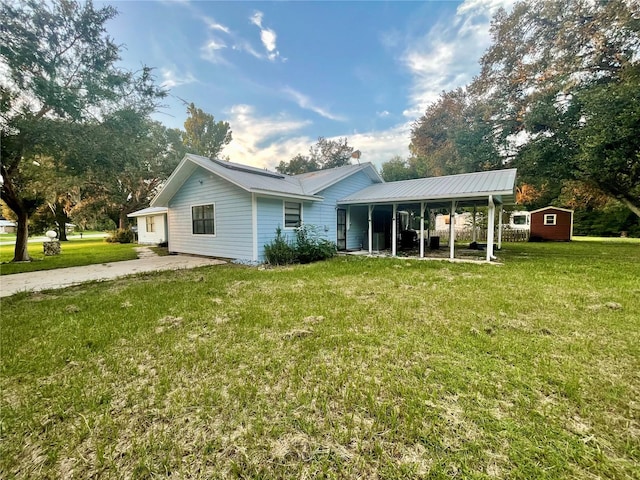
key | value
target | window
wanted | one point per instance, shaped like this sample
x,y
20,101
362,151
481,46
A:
x,y
150,226
550,219
520,220
292,214
203,219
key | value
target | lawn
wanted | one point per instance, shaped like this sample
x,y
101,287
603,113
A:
x,y
75,252
351,368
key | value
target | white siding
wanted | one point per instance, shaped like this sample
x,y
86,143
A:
x,y
233,235
159,234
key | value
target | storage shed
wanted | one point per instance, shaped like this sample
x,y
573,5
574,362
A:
x,y
551,223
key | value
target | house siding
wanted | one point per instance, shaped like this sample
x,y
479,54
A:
x,y
159,234
270,216
233,225
323,214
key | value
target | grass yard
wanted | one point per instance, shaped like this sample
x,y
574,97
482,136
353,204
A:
x,y
352,368
75,252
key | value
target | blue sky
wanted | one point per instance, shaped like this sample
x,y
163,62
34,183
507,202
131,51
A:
x,y
284,73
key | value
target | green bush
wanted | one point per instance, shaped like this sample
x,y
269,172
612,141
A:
x,y
279,251
121,235
311,247
308,247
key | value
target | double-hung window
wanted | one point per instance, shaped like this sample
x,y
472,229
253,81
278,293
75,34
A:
x,y
203,218
150,224
550,219
292,214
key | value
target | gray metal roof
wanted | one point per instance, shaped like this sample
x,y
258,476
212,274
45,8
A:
x,y
261,181
467,186
148,211
314,182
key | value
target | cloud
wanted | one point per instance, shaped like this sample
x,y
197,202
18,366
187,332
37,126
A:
x,y
211,50
383,114
306,103
171,79
447,56
380,146
267,36
213,25
264,141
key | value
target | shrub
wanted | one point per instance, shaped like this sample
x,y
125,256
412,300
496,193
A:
x,y
308,247
311,247
279,251
121,235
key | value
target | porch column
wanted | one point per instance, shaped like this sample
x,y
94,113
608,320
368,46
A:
x,y
370,210
422,205
474,236
490,227
500,228
394,230
452,230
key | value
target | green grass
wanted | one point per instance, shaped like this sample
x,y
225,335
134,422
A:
x,y
351,368
75,252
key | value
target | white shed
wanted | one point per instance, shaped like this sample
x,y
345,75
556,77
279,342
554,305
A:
x,y
152,225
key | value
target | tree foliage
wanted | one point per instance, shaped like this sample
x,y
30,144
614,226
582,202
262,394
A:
x,y
203,135
60,69
322,155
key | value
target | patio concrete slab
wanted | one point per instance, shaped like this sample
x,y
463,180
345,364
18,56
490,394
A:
x,y
65,277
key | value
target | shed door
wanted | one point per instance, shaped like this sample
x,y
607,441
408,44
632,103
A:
x,y
341,240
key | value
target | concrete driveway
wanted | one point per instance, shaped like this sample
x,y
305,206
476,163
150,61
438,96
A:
x,y
65,277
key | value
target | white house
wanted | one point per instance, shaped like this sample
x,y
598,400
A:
x,y
152,225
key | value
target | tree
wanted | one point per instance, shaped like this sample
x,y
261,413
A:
x,y
547,78
60,67
397,169
203,135
324,154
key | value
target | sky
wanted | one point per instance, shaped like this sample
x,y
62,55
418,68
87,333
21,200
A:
x,y
285,73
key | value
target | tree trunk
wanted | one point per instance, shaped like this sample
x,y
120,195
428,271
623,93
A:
x,y
22,236
61,221
122,221
630,205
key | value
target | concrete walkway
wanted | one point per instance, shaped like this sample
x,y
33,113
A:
x,y
65,277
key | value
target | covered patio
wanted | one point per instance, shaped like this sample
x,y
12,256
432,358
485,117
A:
x,y
384,207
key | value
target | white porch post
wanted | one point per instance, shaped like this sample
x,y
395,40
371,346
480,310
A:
x,y
490,227
422,205
500,228
370,209
474,236
452,230
394,230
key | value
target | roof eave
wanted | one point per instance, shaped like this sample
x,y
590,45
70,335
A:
x,y
477,196
270,193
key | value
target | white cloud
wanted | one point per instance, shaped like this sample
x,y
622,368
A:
x,y
383,114
447,56
213,25
211,50
305,102
264,141
171,79
267,36
381,146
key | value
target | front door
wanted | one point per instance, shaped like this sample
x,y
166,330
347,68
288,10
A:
x,y
341,240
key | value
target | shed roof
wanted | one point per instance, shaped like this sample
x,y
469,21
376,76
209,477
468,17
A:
x,y
257,180
551,207
465,187
148,212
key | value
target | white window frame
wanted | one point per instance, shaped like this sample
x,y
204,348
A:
x,y
550,219
284,214
215,223
149,222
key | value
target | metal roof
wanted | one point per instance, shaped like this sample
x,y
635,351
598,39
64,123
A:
x,y
260,181
464,187
314,182
148,211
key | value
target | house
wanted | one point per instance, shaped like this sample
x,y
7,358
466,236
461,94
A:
x,y
7,226
224,209
151,225
551,223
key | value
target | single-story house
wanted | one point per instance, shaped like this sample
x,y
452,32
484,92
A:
x,y
152,225
7,226
224,209
551,223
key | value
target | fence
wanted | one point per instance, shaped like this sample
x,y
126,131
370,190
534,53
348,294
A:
x,y
466,235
